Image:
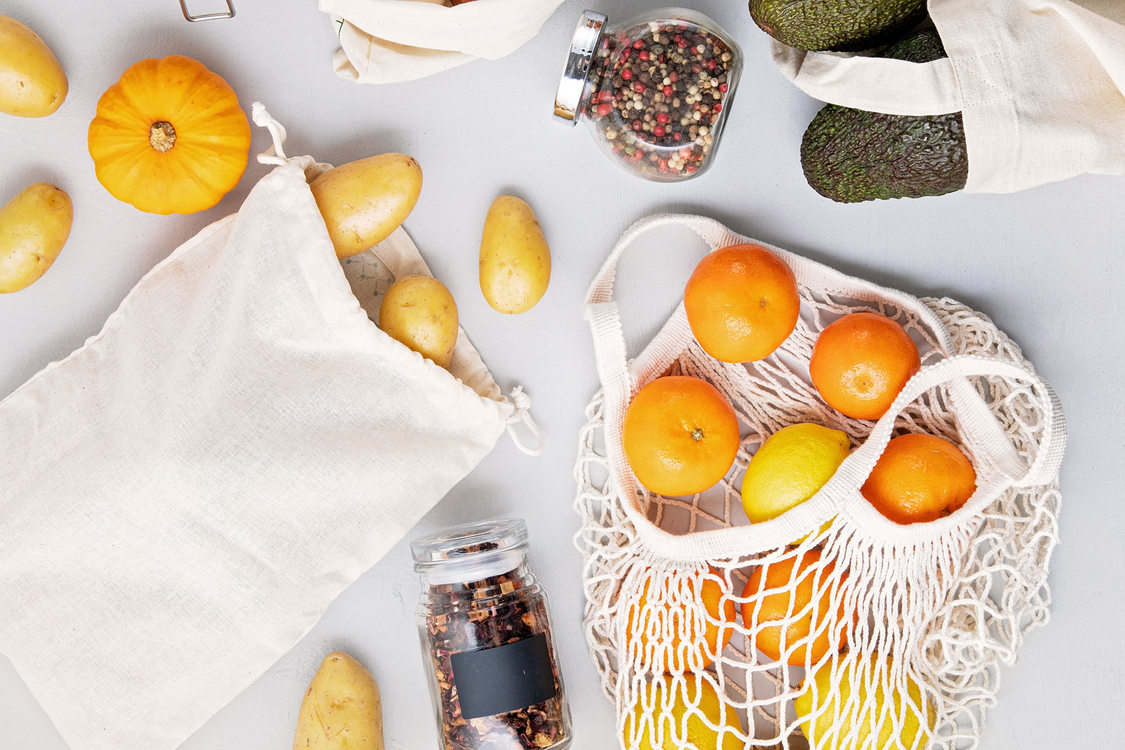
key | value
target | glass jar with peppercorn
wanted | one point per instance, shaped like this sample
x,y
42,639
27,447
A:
x,y
655,90
489,651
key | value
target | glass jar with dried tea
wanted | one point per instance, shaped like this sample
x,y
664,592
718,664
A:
x,y
487,641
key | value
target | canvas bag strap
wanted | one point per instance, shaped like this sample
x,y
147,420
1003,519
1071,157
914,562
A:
x,y
604,316
895,87
618,383
1040,469
840,496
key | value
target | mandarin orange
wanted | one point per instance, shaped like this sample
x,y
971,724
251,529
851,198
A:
x,y
860,363
681,623
920,478
680,435
785,597
741,303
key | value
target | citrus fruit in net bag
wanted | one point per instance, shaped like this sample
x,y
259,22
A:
x,y
860,363
920,478
900,718
789,468
678,623
741,303
680,435
790,610
665,730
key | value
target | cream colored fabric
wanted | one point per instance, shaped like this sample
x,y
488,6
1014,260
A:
x,y
942,604
384,41
1040,84
182,497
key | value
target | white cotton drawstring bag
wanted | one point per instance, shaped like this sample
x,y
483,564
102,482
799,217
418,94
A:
x,y
915,619
386,41
182,497
1040,85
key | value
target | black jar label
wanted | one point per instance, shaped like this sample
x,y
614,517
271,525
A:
x,y
505,678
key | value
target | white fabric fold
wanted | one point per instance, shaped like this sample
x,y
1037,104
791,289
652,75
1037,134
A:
x,y
386,41
182,497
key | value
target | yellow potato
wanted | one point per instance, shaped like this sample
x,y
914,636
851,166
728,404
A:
x,y
421,313
341,709
33,229
32,83
515,262
363,201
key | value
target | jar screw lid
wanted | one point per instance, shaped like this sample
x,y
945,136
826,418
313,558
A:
x,y
587,36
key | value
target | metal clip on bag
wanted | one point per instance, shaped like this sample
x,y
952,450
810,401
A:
x,y
1040,85
182,497
927,611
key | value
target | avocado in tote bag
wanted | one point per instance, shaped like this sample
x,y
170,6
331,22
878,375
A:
x,y
1039,86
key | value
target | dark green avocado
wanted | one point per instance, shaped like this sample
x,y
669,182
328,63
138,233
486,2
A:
x,y
836,24
851,155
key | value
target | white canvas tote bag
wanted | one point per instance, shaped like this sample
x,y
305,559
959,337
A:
x,y
1040,85
182,497
384,41
926,611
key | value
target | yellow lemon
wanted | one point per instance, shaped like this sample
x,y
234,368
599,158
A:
x,y
896,720
662,731
790,467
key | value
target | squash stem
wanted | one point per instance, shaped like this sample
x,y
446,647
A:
x,y
162,136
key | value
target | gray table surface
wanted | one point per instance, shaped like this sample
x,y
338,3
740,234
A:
x,y
1047,265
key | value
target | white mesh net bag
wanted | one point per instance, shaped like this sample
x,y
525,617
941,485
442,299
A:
x,y
889,636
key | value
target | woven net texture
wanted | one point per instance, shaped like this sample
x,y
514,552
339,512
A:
x,y
877,646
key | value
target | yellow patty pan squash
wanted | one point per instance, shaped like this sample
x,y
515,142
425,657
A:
x,y
169,137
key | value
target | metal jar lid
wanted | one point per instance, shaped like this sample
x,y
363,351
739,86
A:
x,y
587,36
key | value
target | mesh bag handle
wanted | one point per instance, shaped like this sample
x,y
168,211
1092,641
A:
x,y
840,495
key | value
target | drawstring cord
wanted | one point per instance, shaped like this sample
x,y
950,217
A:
x,y
262,118
521,414
275,154
520,401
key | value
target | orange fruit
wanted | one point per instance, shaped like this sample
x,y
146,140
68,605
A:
x,y
671,625
741,303
920,478
680,435
787,597
861,362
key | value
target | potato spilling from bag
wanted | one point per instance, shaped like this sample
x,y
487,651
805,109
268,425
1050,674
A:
x,y
32,83
363,201
515,261
419,312
33,229
341,709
